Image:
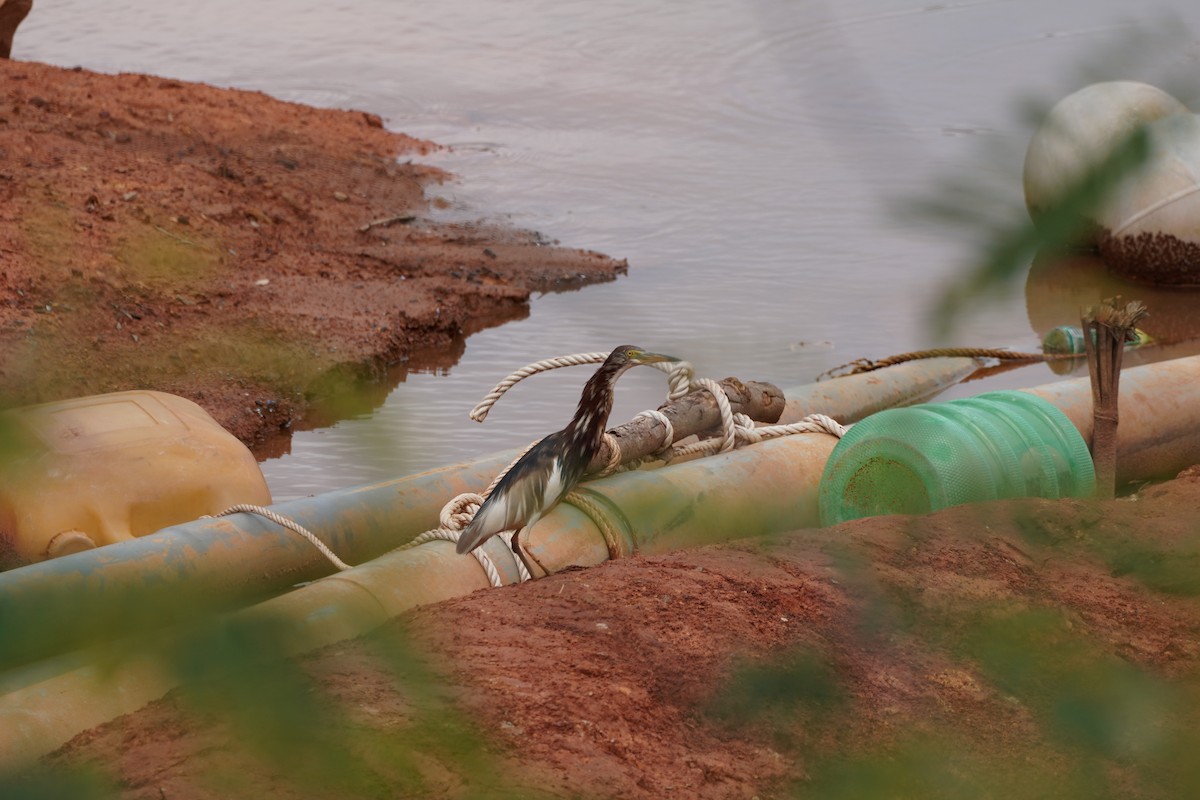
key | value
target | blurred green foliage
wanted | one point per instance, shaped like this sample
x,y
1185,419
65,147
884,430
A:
x,y
1007,248
76,784
281,726
799,682
1168,572
1091,723
945,768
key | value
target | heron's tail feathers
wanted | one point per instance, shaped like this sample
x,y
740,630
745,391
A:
x,y
471,538
488,521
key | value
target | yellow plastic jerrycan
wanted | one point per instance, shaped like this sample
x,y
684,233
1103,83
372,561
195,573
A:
x,y
98,470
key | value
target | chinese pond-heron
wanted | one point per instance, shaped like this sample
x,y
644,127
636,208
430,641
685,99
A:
x,y
553,467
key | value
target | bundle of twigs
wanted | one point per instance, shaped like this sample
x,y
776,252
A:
x,y
1106,328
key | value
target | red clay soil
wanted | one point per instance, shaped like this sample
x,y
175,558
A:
x,y
247,253
1020,649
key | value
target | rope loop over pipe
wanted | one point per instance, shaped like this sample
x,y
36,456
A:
x,y
457,513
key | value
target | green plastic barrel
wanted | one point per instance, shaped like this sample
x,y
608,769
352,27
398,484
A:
x,y
919,459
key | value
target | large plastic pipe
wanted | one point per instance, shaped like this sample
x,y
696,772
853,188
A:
x,y
769,488
1159,430
772,486
215,564
197,568
856,397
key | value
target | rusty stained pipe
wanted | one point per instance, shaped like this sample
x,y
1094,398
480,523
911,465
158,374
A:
x,y
45,703
851,398
209,565
769,488
1159,435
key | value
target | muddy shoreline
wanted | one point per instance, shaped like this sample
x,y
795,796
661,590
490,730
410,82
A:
x,y
256,256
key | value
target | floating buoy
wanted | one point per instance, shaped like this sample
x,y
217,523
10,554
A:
x,y
1149,229
1080,131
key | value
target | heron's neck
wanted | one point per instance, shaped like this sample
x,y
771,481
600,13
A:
x,y
591,418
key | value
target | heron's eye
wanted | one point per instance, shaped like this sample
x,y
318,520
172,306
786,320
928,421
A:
x,y
631,353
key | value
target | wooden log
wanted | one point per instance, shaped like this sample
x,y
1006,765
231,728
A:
x,y
695,413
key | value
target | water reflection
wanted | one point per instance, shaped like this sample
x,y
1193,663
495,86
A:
x,y
740,153
1059,286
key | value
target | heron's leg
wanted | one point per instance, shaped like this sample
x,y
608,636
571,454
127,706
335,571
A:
x,y
525,555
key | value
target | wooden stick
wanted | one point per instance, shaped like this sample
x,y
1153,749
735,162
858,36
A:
x,y
695,413
386,221
1106,329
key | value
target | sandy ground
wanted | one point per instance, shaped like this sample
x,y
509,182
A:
x,y
219,244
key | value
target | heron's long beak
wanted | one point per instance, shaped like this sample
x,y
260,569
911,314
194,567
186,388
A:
x,y
654,358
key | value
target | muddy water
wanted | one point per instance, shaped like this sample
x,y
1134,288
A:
x,y
748,157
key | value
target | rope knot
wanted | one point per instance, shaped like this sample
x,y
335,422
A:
x,y
735,430
613,449
457,514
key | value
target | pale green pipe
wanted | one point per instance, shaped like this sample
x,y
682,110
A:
x,y
855,397
209,565
771,487
196,568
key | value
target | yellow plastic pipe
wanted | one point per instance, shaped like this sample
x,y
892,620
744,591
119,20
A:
x,y
200,567
770,487
1158,434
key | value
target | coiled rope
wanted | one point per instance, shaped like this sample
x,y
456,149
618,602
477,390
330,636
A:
x,y
736,430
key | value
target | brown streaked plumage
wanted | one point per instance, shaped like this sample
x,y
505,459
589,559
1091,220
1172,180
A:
x,y
552,468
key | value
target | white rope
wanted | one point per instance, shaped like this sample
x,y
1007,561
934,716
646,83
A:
x,y
613,448
746,432
456,515
679,377
452,534
479,413
736,430
617,545
292,525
